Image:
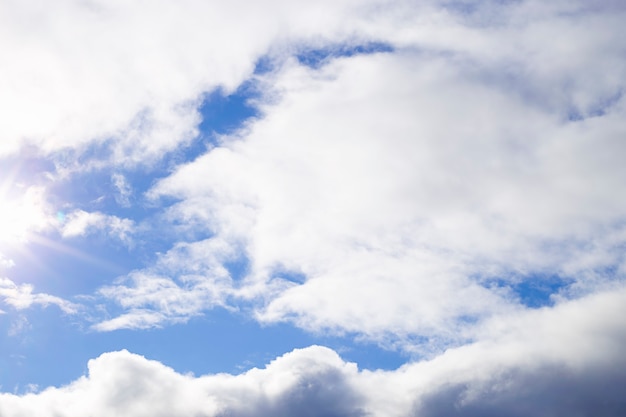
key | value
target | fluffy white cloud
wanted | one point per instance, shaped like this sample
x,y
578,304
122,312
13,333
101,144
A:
x,y
545,362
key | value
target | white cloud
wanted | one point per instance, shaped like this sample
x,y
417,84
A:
x,y
403,186
123,188
550,361
187,280
394,196
136,319
18,326
6,263
132,74
22,297
81,223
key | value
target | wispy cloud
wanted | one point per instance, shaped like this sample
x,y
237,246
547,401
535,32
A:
x,y
81,223
187,280
123,188
22,297
18,326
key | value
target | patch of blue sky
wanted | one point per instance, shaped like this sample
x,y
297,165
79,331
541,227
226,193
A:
x,y
239,267
219,341
481,12
72,267
91,191
537,293
599,108
317,57
574,115
534,291
291,276
605,104
46,260
461,6
224,113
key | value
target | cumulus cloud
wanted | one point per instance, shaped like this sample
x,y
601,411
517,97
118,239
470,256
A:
x,y
307,382
532,366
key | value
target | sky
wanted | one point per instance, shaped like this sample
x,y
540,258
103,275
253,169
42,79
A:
x,y
338,208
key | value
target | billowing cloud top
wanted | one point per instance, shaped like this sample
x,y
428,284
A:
x,y
438,179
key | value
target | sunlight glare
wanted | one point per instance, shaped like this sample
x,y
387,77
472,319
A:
x,y
21,213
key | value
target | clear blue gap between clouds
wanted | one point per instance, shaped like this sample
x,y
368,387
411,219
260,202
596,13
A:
x,y
534,290
537,293
291,276
220,341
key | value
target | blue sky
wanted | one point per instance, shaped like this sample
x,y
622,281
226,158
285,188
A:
x,y
343,208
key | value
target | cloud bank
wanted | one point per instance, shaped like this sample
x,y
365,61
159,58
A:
x,y
545,362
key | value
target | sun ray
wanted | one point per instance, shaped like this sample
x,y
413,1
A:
x,y
75,253
29,225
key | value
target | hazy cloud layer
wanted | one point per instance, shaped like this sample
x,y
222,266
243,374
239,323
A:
x,y
557,361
